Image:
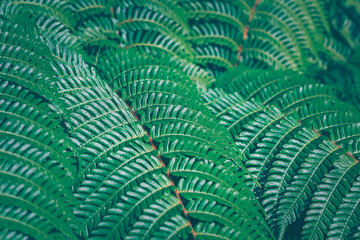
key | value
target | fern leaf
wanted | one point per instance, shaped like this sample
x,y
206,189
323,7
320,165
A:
x,y
345,218
55,31
156,216
168,8
214,55
27,119
196,188
118,217
176,226
305,94
225,11
8,10
17,219
333,121
347,133
211,33
154,43
208,170
215,231
252,132
92,7
58,9
328,198
318,110
259,160
264,51
144,18
99,32
299,191
213,212
6,233
34,199
354,148
286,165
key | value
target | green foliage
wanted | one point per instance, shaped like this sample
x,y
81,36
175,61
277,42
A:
x,y
294,165
134,120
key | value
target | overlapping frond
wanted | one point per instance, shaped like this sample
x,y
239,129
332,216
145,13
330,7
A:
x,y
345,218
328,198
287,159
38,169
121,173
128,119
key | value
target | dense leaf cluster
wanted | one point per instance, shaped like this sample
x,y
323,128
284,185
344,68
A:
x,y
151,119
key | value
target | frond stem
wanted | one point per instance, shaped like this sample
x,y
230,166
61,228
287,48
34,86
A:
x,y
151,141
246,31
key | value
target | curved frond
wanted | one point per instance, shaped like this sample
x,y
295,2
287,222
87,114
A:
x,y
345,219
328,198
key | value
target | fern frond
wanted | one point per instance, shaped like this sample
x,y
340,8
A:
x,y
278,17
157,217
55,31
285,166
261,31
127,119
328,198
213,212
213,56
9,11
228,12
346,133
336,50
37,168
354,148
215,231
70,61
319,14
17,50
345,219
300,190
128,207
345,22
92,7
6,233
154,43
266,86
164,83
236,114
304,95
99,32
253,131
61,10
25,123
100,146
212,33
26,195
142,18
333,121
220,102
168,8
34,176
208,170
127,63
259,161
24,58
29,223
134,164
318,110
195,188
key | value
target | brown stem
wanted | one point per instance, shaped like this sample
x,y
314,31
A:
x,y
246,32
151,141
